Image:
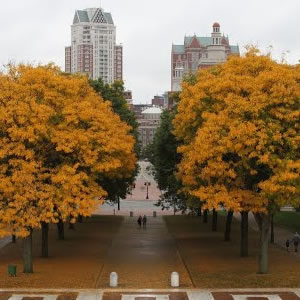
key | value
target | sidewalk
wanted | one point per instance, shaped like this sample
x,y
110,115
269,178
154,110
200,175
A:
x,y
280,234
143,257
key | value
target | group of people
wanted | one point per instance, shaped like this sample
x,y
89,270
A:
x,y
142,220
295,240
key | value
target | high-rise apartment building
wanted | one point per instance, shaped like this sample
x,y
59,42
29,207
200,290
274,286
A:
x,y
197,53
118,62
93,49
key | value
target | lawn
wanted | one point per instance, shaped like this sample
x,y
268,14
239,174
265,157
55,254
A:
x,y
213,263
76,262
288,219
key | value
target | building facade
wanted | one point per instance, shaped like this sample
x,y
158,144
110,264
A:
x,y
93,49
158,101
128,98
118,62
198,53
148,123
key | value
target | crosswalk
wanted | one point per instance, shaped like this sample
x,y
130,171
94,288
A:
x,y
173,294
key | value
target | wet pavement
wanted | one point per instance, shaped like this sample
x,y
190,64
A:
x,y
144,256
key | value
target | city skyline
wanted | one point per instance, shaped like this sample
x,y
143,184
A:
x,y
147,31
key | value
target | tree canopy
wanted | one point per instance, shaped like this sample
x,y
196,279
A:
x,y
114,93
239,124
56,136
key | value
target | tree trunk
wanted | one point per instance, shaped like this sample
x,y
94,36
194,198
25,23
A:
x,y
263,222
228,226
244,234
118,203
45,229
214,220
27,253
13,239
80,218
272,229
61,230
205,216
199,212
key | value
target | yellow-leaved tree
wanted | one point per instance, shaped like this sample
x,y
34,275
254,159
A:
x,y
56,137
239,124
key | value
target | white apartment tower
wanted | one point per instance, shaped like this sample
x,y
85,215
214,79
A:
x,y
93,49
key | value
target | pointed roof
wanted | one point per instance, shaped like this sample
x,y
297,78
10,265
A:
x,y
108,17
99,17
76,19
178,49
102,17
194,43
81,16
202,40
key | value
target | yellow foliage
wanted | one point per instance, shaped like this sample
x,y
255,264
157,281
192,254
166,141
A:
x,y
239,125
56,135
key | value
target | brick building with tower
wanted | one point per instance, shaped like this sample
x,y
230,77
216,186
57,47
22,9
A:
x,y
197,53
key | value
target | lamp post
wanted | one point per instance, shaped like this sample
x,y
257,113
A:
x,y
147,184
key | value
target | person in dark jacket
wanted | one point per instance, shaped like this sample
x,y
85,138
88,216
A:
x,y
296,240
144,221
287,244
140,221
296,243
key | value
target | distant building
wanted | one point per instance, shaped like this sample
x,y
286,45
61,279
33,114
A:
x,y
169,99
118,62
128,98
158,101
197,53
148,123
93,49
139,108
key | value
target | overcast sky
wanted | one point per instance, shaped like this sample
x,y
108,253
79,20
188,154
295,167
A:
x,y
38,30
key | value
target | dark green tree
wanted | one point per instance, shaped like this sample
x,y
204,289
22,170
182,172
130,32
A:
x,y
162,153
118,188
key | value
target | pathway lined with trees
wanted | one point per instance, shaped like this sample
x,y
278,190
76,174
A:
x,y
232,141
144,257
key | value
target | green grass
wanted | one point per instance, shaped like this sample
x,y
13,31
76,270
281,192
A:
x,y
288,219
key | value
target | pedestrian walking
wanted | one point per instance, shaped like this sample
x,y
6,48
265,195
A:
x,y
287,244
144,221
296,243
296,240
140,221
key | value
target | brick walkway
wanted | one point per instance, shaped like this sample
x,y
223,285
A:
x,y
139,193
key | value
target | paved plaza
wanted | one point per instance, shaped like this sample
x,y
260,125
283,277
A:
x,y
136,201
146,207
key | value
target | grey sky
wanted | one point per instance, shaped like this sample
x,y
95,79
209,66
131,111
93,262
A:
x,y
38,31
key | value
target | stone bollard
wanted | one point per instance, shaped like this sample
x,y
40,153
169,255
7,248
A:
x,y
113,279
131,214
174,279
154,214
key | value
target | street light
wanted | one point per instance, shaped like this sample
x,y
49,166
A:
x,y
147,184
